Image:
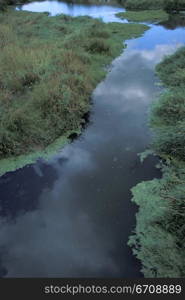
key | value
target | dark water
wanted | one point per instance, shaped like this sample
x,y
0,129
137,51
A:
x,y
71,216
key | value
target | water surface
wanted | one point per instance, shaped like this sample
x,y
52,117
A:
x,y
102,9
71,216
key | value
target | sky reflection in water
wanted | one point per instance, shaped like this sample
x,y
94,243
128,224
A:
x,y
54,7
72,215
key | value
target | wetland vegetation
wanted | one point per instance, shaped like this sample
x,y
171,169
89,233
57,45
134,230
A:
x,y
151,16
49,67
159,237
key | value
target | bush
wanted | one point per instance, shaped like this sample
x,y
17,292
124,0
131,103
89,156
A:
x,y
97,45
96,31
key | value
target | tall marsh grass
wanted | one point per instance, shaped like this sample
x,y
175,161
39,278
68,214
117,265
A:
x,y
48,69
159,238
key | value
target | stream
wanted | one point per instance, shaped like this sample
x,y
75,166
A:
x,y
71,216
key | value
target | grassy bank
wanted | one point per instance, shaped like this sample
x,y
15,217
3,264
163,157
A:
x,y
152,16
49,67
159,239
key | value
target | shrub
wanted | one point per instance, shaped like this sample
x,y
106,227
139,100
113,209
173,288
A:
x,y
97,45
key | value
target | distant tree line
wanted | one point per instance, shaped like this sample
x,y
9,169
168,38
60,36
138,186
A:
x,y
5,3
174,5
168,5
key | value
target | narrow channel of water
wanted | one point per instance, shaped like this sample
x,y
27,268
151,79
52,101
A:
x,y
71,216
103,9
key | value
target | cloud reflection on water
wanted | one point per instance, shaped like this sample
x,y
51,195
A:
x,y
83,217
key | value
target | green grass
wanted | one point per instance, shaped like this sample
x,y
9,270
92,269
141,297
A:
x,y
168,114
152,16
172,70
49,67
159,238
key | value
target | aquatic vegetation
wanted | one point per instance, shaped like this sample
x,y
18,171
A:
x,y
159,240
49,67
151,16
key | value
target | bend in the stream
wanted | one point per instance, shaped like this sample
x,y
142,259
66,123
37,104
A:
x,y
71,216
